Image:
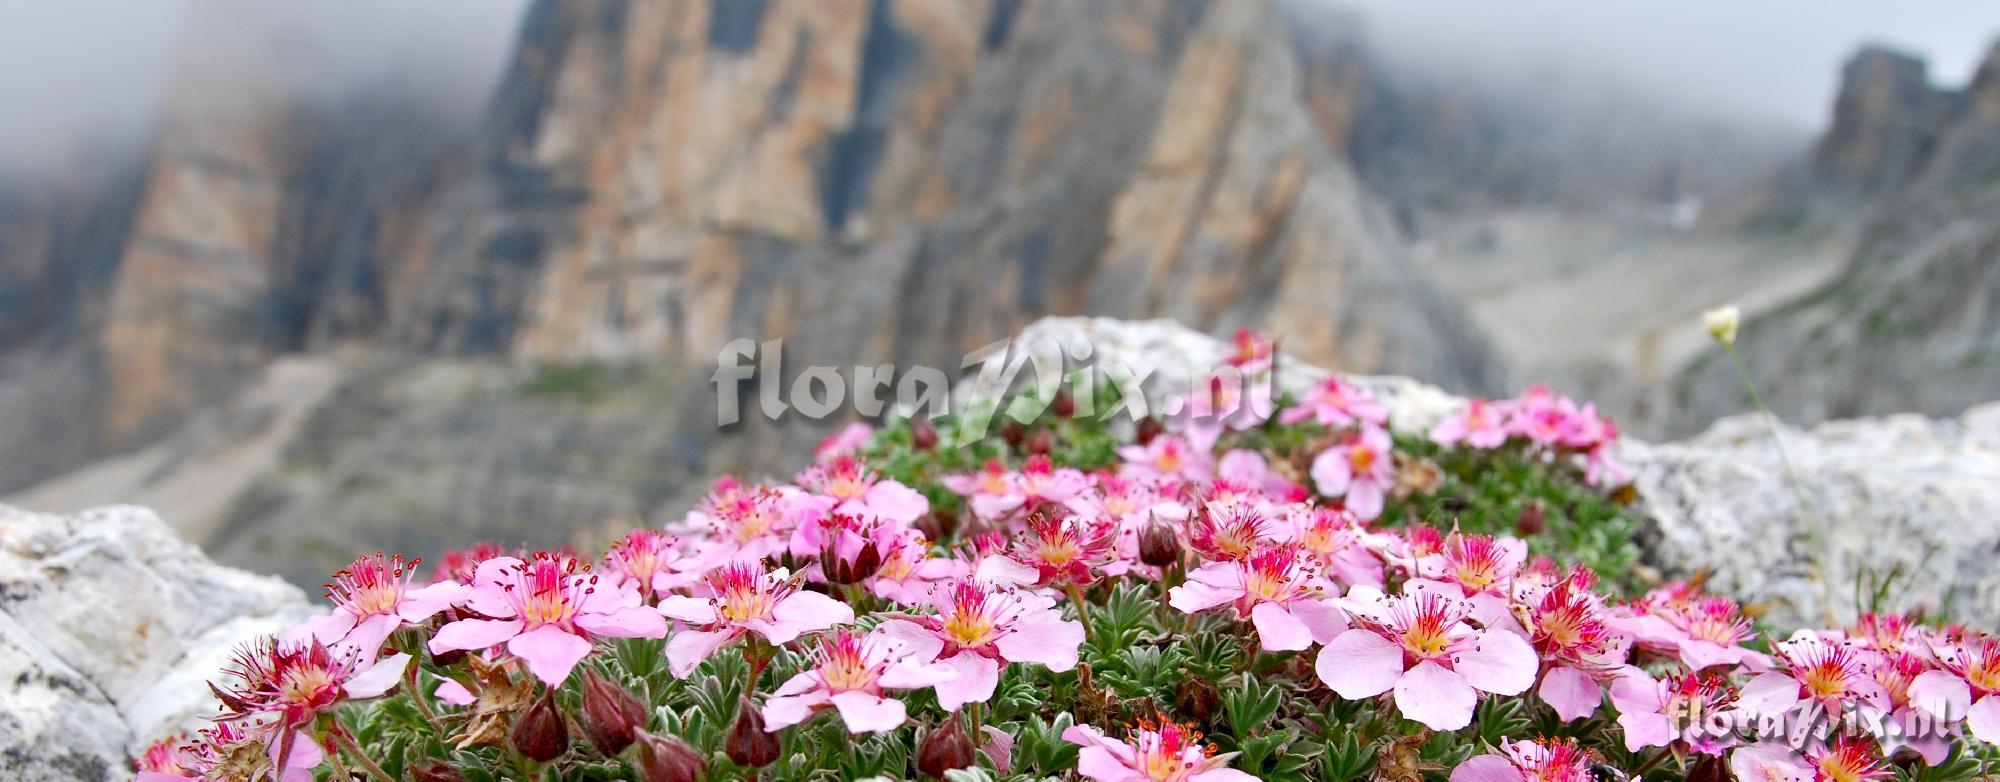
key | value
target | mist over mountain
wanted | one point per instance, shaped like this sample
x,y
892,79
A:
x,y
461,269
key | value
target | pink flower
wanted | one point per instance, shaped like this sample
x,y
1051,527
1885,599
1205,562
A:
x,y
1832,673
1337,404
459,564
977,628
1251,352
1420,646
220,751
1529,761
745,599
1702,630
1897,672
292,682
1168,753
843,485
1542,416
1228,532
850,671
1168,456
1230,402
1362,470
372,598
850,439
1966,687
1686,708
908,570
652,560
1481,424
547,611
993,492
1042,481
1848,759
1055,550
1478,568
1336,538
1245,467
1566,625
1276,589
744,523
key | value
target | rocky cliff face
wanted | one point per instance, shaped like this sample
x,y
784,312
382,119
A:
x,y
1913,322
907,179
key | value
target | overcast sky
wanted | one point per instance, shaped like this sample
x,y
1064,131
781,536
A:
x,y
76,70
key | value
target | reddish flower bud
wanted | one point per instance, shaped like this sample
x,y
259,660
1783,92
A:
x,y
1196,700
1041,442
939,524
612,715
748,744
436,771
947,747
1013,433
1530,523
1159,543
540,732
669,759
841,570
1063,405
1149,428
923,436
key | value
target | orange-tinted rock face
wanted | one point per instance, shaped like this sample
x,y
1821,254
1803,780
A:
x,y
913,179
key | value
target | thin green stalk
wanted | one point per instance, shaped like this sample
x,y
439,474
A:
x,y
1806,504
353,751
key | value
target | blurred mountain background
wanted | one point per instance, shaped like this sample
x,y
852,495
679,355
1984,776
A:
x,y
313,279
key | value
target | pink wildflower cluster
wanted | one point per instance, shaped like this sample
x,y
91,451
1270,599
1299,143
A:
x,y
852,580
1552,424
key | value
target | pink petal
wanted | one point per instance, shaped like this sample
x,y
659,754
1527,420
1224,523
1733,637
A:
x,y
1193,596
331,626
897,502
1572,693
1278,629
693,610
489,600
1434,696
977,677
1498,662
784,711
474,634
378,678
1486,768
367,637
550,651
1763,763
1365,499
634,622
908,674
1331,471
1360,664
1005,570
999,748
688,648
866,713
454,693
1646,729
1940,695
1984,719
1324,619
424,602
1769,693
922,644
1043,637
805,612
1097,763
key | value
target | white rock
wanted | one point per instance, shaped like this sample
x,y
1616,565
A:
x,y
1897,494
110,625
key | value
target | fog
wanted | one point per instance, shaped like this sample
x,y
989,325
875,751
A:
x,y
83,78
1761,62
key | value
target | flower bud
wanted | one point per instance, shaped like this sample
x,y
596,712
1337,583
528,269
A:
x,y
1013,433
946,748
937,525
748,744
1159,544
1196,700
612,716
669,759
923,436
1041,442
1063,405
436,771
1721,323
851,570
1149,428
540,733
1530,523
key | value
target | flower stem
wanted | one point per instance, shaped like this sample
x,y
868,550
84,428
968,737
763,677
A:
x,y
417,697
1806,505
1082,611
353,750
